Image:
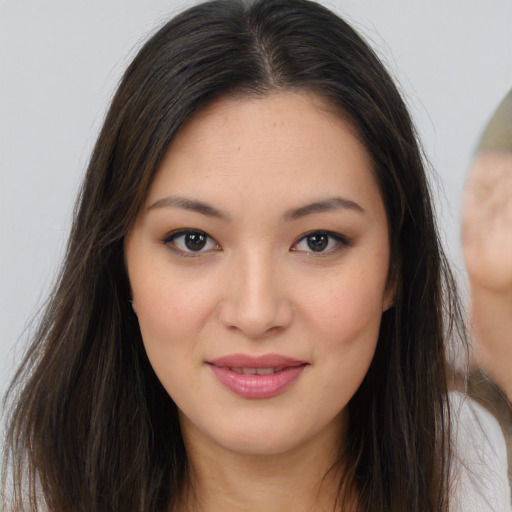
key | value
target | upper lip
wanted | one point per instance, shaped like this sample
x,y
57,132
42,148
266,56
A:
x,y
263,361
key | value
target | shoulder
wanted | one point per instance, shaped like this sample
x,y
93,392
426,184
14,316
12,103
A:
x,y
479,472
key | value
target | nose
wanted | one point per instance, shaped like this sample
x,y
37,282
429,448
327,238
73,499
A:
x,y
255,303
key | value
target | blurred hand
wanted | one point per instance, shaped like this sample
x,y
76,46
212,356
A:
x,y
487,222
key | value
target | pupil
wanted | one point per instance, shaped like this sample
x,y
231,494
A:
x,y
318,242
195,241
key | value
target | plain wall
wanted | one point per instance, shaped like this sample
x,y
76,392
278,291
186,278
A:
x,y
60,61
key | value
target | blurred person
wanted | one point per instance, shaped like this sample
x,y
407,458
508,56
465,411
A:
x,y
487,244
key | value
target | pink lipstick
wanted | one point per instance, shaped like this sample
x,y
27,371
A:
x,y
257,376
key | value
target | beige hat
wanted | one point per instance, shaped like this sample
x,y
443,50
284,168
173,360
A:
x,y
497,135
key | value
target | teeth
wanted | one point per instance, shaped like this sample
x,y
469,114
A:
x,y
255,371
265,371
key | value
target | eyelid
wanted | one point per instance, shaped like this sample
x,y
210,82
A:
x,y
173,235
341,240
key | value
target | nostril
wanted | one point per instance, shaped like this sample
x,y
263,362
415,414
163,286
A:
x,y
256,323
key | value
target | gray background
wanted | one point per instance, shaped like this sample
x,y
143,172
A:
x,y
60,61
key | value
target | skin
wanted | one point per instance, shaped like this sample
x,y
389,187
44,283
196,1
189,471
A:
x,y
258,288
487,243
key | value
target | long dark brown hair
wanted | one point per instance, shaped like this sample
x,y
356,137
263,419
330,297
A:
x,y
91,428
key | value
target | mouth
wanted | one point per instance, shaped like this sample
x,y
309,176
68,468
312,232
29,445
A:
x,y
253,371
257,377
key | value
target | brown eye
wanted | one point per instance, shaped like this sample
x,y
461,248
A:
x,y
317,242
321,242
190,241
195,241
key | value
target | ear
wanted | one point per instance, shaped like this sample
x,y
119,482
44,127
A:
x,y
130,300
388,299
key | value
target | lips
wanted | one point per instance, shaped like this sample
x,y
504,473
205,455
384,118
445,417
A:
x,y
254,371
257,377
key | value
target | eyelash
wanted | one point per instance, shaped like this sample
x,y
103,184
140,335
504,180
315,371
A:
x,y
340,242
170,241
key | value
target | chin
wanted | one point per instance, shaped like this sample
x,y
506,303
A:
x,y
263,435
265,443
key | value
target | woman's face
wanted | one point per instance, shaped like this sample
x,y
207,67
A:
x,y
258,271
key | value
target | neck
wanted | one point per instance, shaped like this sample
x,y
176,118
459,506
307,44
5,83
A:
x,y
304,479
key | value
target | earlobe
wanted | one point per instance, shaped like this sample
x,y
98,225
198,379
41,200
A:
x,y
389,294
132,306
388,304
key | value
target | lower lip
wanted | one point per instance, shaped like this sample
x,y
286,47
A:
x,y
257,386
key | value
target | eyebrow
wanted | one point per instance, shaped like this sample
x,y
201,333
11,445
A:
x,y
326,205
189,204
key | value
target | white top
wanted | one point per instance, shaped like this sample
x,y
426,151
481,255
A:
x,y
480,470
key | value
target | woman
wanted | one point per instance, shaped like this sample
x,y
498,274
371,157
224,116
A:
x,y
254,305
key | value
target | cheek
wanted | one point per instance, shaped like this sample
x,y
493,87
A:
x,y
174,300
345,319
171,310
171,316
348,307
350,330
350,324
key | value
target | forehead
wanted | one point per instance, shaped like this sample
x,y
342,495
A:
x,y
285,147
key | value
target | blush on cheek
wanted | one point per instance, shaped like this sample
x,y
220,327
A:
x,y
352,313
156,308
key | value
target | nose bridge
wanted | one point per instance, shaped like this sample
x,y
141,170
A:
x,y
256,303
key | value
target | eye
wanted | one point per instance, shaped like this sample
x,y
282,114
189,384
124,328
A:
x,y
324,242
190,241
